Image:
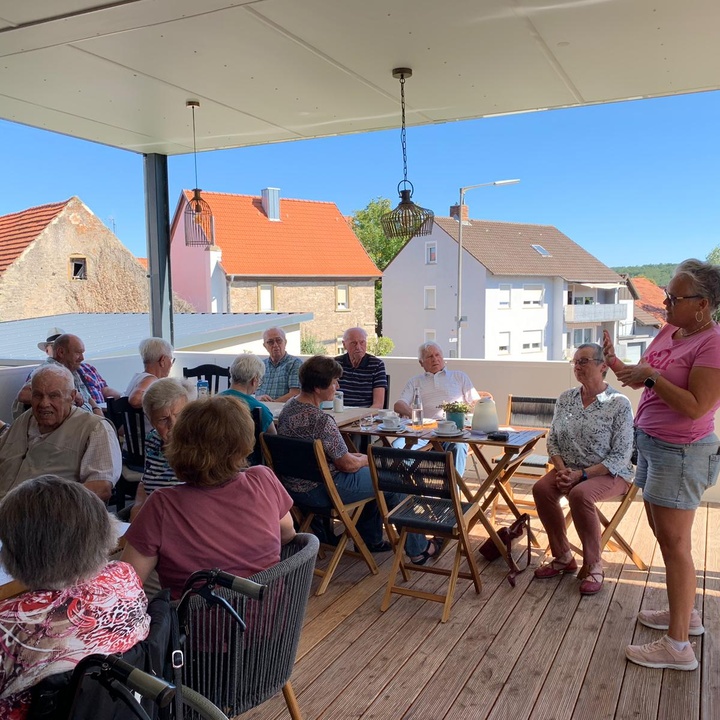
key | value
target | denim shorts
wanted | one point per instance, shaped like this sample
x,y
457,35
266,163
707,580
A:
x,y
676,476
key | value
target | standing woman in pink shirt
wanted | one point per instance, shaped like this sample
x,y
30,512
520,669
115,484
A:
x,y
677,448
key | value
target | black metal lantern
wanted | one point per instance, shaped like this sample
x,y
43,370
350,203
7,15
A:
x,y
408,219
199,223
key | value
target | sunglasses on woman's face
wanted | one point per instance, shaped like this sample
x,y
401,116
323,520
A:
x,y
674,299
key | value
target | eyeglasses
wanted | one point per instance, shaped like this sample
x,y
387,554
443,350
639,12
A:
x,y
674,299
582,362
274,341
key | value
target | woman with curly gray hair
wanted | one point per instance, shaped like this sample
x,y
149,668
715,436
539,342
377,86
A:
x,y
56,538
678,453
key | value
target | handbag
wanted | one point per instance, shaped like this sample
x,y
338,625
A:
x,y
490,551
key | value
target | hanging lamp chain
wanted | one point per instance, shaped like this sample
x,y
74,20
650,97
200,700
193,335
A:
x,y
194,146
403,134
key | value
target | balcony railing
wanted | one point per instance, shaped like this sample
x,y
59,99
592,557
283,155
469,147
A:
x,y
595,313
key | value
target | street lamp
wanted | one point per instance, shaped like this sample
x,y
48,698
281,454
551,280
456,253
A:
x,y
463,190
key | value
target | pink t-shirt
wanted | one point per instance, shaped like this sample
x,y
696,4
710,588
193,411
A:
x,y
234,526
675,359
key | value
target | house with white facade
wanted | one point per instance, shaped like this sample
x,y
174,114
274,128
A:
x,y
645,319
529,292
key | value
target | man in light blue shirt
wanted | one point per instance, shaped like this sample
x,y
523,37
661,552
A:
x,y
281,381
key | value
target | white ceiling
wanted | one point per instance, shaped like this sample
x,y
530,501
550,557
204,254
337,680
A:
x,y
265,71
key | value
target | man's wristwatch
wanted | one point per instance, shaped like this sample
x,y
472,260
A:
x,y
584,476
650,382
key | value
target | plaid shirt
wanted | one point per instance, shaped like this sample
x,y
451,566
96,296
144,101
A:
x,y
93,381
278,379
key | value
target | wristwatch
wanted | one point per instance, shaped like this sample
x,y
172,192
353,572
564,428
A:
x,y
650,382
583,477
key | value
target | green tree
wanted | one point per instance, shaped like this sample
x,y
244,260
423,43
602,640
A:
x,y
366,225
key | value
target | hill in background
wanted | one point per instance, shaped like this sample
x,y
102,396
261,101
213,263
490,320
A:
x,y
660,273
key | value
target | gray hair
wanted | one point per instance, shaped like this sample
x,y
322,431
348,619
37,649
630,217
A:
x,y
425,347
278,330
705,278
152,349
353,329
55,533
597,350
165,392
247,367
56,369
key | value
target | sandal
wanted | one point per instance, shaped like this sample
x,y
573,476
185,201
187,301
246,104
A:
x,y
555,568
433,545
592,583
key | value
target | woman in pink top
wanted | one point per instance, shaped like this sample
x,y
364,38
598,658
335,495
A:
x,y
677,449
225,515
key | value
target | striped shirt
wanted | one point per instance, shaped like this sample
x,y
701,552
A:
x,y
358,383
158,473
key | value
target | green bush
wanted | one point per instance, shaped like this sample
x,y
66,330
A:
x,y
310,345
380,345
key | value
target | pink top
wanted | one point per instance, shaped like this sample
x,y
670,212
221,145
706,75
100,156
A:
x,y
675,359
234,526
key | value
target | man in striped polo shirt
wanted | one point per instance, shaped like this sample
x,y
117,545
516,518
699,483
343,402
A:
x,y
364,381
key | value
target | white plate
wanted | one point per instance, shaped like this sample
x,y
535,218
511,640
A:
x,y
457,433
381,426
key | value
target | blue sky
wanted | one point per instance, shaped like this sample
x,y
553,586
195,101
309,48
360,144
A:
x,y
633,183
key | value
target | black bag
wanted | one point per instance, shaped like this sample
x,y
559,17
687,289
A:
x,y
489,550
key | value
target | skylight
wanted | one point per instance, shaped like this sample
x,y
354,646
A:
x,y
540,250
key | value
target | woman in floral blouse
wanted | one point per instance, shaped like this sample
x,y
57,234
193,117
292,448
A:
x,y
590,446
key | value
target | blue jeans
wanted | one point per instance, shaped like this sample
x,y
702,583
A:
x,y
459,451
358,486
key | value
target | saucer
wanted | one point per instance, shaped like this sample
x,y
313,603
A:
x,y
456,433
399,428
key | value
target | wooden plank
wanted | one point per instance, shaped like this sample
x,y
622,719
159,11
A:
x,y
710,666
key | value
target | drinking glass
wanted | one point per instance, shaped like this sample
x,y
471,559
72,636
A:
x,y
366,423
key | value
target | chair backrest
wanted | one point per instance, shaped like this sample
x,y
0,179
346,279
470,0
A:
x,y
238,671
132,421
211,373
386,401
296,457
256,456
412,472
533,412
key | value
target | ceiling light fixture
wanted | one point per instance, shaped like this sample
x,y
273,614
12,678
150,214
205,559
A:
x,y
408,219
199,223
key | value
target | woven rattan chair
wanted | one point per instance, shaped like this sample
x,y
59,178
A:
x,y
211,373
305,459
432,507
241,670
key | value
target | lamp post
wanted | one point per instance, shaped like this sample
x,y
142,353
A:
x,y
463,190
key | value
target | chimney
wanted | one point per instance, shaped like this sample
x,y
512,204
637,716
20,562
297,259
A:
x,y
454,213
271,203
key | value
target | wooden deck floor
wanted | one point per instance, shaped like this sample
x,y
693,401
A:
x,y
537,651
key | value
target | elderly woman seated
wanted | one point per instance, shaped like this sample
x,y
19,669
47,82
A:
x,y
302,418
56,538
590,444
246,374
224,515
162,404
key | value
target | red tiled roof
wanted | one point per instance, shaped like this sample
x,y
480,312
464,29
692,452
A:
x,y
311,239
19,229
143,262
506,249
650,302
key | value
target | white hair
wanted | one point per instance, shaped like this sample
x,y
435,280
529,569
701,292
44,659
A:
x,y
353,329
153,348
58,370
247,367
425,347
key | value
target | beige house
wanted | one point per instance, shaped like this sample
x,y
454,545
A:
x,y
61,258
277,256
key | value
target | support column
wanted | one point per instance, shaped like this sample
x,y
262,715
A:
x,y
157,214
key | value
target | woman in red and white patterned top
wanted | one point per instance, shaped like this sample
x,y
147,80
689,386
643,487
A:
x,y
56,537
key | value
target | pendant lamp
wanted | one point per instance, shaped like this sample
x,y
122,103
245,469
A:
x,y
199,223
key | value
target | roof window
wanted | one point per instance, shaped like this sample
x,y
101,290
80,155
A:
x,y
540,250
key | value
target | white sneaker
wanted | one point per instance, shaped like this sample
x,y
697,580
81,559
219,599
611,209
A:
x,y
660,620
662,654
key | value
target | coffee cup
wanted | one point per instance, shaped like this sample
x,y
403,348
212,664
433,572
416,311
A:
x,y
446,427
391,422
386,413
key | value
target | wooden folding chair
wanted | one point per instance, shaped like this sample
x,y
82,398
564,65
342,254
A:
x,y
211,373
305,459
432,506
611,537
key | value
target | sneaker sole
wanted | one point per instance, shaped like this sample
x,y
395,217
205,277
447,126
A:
x,y
697,630
662,666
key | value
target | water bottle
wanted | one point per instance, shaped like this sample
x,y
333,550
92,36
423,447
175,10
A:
x,y
339,402
203,388
416,409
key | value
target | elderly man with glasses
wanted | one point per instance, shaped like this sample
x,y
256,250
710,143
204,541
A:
x,y
281,381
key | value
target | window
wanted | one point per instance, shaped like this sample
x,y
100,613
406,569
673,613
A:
x,y
266,298
503,343
504,297
342,297
339,346
430,253
582,335
541,250
78,268
430,297
429,336
533,296
532,341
